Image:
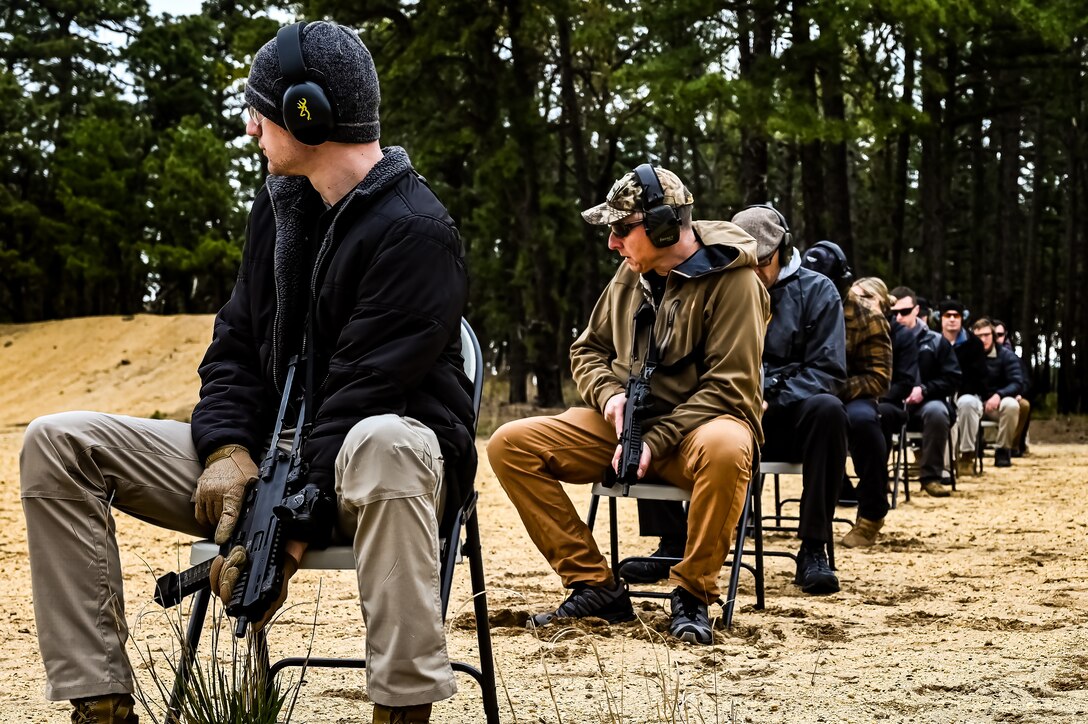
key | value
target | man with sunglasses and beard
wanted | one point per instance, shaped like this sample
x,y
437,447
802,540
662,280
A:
x,y
929,405
686,303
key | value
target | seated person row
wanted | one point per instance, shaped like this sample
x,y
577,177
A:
x,y
703,427
929,405
869,364
804,364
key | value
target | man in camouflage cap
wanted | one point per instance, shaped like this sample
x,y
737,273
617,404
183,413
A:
x,y
625,198
702,425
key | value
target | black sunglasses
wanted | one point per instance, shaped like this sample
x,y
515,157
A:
x,y
903,312
621,230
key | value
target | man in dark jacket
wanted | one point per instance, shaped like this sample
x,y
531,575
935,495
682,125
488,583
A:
x,y
929,404
804,365
1004,383
351,263
972,360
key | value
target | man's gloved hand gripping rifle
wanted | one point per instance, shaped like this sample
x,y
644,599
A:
x,y
269,517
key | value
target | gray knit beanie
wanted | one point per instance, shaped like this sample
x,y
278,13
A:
x,y
346,72
763,225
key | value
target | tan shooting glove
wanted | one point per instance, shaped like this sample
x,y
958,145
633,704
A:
x,y
225,572
221,488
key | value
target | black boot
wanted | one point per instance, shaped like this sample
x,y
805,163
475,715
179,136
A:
x,y
653,571
814,575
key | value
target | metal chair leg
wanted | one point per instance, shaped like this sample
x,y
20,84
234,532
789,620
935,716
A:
x,y
738,554
197,614
474,553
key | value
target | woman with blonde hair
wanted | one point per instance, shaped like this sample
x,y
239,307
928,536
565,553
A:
x,y
873,293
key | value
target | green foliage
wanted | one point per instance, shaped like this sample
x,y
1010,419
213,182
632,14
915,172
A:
x,y
909,130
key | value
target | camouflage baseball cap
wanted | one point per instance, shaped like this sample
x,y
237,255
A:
x,y
625,198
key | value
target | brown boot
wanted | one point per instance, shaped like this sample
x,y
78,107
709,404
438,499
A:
x,y
863,534
109,709
965,466
935,489
419,714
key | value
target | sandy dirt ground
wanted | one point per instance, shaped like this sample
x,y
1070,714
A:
x,y
971,609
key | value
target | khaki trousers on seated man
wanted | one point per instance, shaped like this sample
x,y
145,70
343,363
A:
x,y
76,468
970,411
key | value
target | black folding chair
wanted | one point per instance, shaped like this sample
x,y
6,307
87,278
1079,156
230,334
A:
x,y
451,549
749,525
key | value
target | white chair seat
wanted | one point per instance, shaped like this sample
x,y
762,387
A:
x,y
769,468
333,558
644,491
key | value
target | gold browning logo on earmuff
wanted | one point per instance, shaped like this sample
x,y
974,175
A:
x,y
303,111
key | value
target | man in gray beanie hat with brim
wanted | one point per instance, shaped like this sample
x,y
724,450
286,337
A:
x,y
352,261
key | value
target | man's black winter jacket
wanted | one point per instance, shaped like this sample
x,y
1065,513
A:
x,y
937,364
1004,377
386,287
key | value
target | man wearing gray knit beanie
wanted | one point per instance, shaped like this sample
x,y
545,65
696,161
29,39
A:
x,y
804,363
336,60
353,275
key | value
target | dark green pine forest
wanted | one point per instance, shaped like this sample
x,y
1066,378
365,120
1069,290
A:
x,y
941,143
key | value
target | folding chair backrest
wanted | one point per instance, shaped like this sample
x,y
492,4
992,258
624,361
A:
x,y
473,366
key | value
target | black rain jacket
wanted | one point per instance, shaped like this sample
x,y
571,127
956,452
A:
x,y
1004,376
804,353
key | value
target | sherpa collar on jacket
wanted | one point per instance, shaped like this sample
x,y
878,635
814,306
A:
x,y
296,207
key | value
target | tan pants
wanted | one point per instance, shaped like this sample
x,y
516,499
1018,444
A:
x,y
1021,421
77,467
531,457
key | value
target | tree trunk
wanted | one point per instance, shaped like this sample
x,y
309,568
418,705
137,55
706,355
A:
x,y
1025,324
810,152
1070,386
932,243
1007,140
587,260
526,128
902,166
838,170
757,27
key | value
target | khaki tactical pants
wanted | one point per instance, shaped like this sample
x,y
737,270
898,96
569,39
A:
x,y
531,457
77,467
970,410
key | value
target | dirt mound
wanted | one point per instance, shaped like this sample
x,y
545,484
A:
x,y
143,365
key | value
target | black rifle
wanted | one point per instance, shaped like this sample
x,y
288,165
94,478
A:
x,y
638,402
638,394
267,515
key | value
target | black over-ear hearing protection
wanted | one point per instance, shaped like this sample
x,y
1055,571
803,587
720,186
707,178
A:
x,y
661,220
785,247
308,111
846,275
